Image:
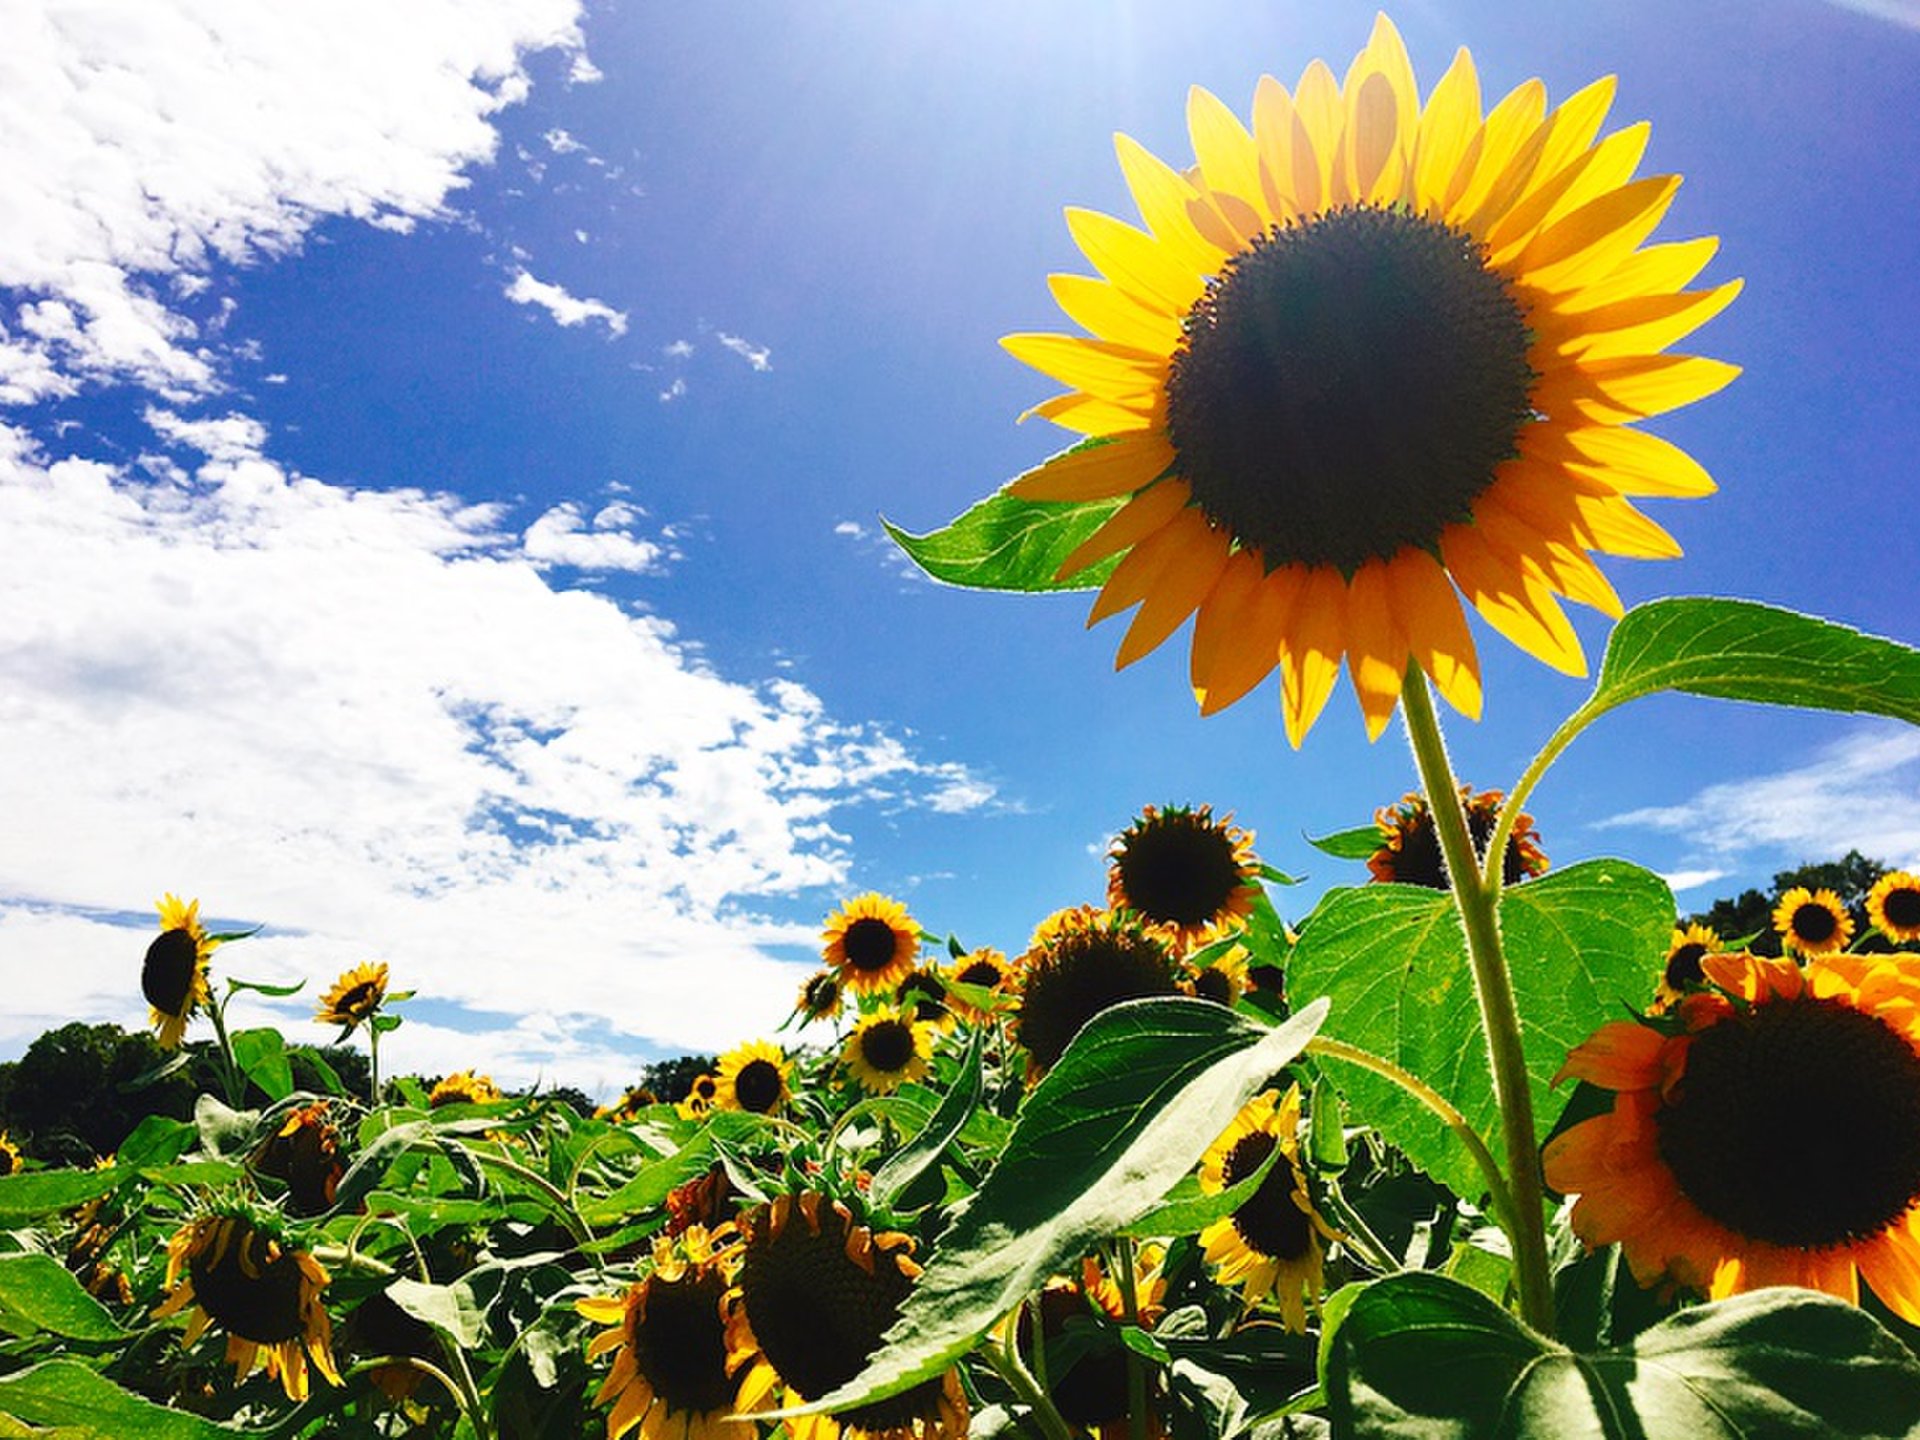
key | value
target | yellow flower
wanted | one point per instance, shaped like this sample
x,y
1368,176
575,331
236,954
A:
x,y
1893,906
871,943
984,969
355,997
1183,870
702,1096
1683,974
819,996
1082,962
887,1049
1363,354
753,1077
173,976
304,1153
264,1295
1813,922
464,1087
9,1154
1409,852
1086,1368
1272,1244
1774,1141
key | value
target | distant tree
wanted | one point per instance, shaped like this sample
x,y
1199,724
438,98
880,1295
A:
x,y
670,1080
345,1061
1751,912
581,1102
71,1096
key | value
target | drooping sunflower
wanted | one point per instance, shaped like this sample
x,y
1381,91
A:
x,y
1365,354
1774,1140
1893,906
1087,1379
819,996
753,1077
1812,922
1682,974
871,943
672,1374
708,1200
888,1048
354,998
9,1154
265,1295
1181,869
1088,961
1273,1244
1409,852
815,1291
305,1154
464,1087
173,977
984,969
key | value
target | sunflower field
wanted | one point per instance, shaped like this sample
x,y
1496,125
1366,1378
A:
x,y
1472,1145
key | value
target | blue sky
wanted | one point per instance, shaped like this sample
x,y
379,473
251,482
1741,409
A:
x,y
440,470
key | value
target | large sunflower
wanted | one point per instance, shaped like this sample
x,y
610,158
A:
x,y
173,976
1774,1140
672,1374
1082,962
1181,869
263,1294
753,1077
871,943
816,1291
889,1048
1364,354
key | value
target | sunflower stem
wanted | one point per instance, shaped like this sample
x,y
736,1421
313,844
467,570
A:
x,y
1477,902
1493,866
229,1067
1007,1363
1358,1237
1136,1366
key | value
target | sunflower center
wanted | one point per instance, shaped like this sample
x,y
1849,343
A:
x,y
758,1086
679,1342
1214,984
1347,385
1903,908
166,976
1179,873
822,993
1084,974
1270,1222
1814,924
928,995
252,1296
1684,971
1798,1123
887,1045
987,975
869,944
360,999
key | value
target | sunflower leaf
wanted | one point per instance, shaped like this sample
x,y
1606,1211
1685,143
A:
x,y
77,1404
38,1293
262,1056
1355,844
1003,543
912,1160
1129,1108
1419,1353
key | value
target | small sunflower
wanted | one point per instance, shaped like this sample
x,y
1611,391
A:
x,y
265,1295
1088,1382
1183,870
354,998
173,976
1222,976
1089,961
816,1291
1364,354
753,1077
887,1049
464,1087
629,1106
304,1153
1272,1244
983,969
1682,973
1409,852
702,1097
820,996
871,943
1893,906
1773,1140
1813,922
672,1374
9,1154
925,992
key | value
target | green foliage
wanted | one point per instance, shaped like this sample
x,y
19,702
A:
x,y
37,1294
1750,913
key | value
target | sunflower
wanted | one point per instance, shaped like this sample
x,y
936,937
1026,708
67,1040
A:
x,y
984,969
9,1154
819,996
629,1106
1409,852
925,991
265,1295
1365,354
701,1098
1086,961
815,1293
1774,1140
354,998
1813,922
1682,973
1183,870
871,943
1893,906
753,1077
1087,1379
1221,976
887,1049
1272,1244
707,1200
173,976
672,1373
304,1153
464,1087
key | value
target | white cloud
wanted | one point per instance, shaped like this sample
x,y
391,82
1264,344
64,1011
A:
x,y
1680,880
366,719
851,528
561,143
1859,793
565,308
1900,12
758,356
677,350
562,537
673,392
146,140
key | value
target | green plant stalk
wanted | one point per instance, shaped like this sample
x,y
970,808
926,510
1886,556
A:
x,y
1005,1359
1136,1366
1493,872
229,1067
1366,1247
373,1066
582,1233
1493,988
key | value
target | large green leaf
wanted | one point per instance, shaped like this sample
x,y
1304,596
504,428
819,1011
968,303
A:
x,y
1129,1108
900,1170
77,1404
262,1057
1418,1354
41,1192
1579,942
38,1293
649,1187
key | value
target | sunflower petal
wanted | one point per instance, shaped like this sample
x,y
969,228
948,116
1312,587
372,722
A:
x,y
1111,313
1142,568
1508,126
1630,387
1094,416
1640,325
1310,650
1376,646
1273,120
1096,367
1656,270
1129,525
1250,652
1222,620
1183,586
1228,159
1382,112
1636,463
1619,529
1135,261
1164,198
1447,126
1512,599
1098,472
1620,1055
1315,142
1598,236
1437,631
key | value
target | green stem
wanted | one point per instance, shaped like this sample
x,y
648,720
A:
x,y
1493,869
1358,1237
229,1067
1007,1363
373,1066
1493,988
570,1217
1136,1366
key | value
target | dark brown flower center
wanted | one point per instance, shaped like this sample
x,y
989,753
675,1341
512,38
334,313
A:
x,y
679,1342
1684,971
822,993
1798,1123
1347,385
887,1045
926,993
358,1000
1270,1223
1814,923
869,944
166,976
1902,907
758,1086
1083,973
1418,859
1178,868
247,1293
1214,984
981,972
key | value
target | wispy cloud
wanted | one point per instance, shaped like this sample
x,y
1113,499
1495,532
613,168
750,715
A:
x,y
565,308
758,356
1900,12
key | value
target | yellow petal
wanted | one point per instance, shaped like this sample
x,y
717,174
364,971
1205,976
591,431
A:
x,y
1135,261
1606,167
1140,570
1310,650
1093,415
1095,367
1551,536
1376,646
1597,236
1248,643
1637,326
1513,600
1164,199
1097,472
1508,126
1273,121
1183,586
1130,524
1630,387
1656,270
1619,529
1229,162
1636,463
1436,628
1382,113
1222,616
1447,126
1112,314
1317,117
